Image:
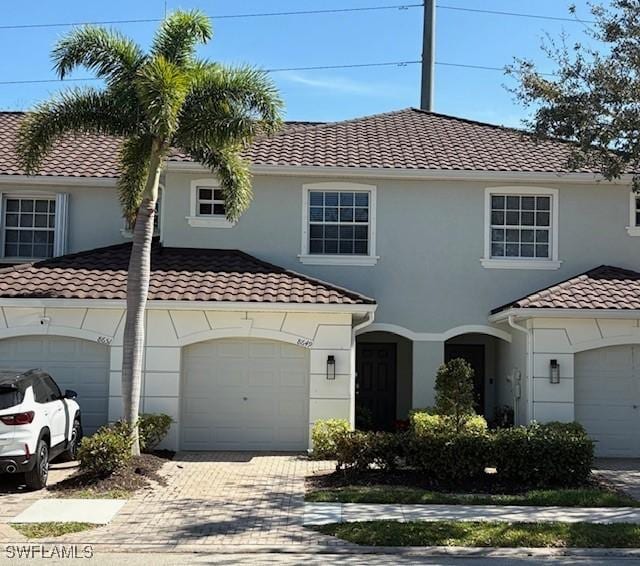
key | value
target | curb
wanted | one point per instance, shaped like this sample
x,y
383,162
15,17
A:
x,y
417,551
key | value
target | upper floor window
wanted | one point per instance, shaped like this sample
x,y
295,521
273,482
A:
x,y
33,227
207,205
339,224
521,228
634,214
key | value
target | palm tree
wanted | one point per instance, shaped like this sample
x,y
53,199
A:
x,y
165,98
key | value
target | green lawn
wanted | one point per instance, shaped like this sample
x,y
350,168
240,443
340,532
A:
x,y
591,497
49,530
458,533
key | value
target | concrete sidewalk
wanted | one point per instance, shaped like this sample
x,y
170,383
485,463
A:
x,y
324,513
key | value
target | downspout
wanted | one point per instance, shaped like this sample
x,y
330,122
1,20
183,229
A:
x,y
529,368
352,386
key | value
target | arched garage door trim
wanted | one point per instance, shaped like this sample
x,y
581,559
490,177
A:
x,y
626,340
45,330
240,332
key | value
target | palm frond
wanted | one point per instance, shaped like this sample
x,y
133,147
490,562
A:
x,y
106,52
234,175
229,105
162,88
75,111
135,155
179,34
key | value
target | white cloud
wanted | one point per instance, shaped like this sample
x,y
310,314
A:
x,y
345,85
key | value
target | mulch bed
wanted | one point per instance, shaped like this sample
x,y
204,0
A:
x,y
138,474
487,485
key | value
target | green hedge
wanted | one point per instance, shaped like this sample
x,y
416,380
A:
x,y
426,422
153,428
324,435
556,454
107,450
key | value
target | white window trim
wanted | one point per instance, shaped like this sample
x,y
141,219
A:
x,y
61,229
128,233
337,259
205,221
633,229
521,263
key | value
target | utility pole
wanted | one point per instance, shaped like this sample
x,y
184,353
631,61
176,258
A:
x,y
428,55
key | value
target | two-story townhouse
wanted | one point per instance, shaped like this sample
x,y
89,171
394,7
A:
x,y
374,250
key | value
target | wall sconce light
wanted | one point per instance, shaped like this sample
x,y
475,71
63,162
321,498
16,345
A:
x,y
331,367
554,371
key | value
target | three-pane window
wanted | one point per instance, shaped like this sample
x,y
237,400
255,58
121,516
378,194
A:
x,y
339,222
210,202
29,227
521,226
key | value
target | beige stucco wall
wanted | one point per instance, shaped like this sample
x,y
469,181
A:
x,y
168,330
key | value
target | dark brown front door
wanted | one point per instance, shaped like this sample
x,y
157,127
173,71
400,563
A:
x,y
376,386
474,355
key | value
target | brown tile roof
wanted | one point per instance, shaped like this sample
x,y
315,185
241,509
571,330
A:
x,y
404,139
177,274
604,287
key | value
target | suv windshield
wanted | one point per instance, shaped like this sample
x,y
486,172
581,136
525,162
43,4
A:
x,y
10,397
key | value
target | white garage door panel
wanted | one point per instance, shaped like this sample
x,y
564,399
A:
x,y
74,364
245,395
607,396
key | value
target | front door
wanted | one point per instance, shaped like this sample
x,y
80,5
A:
x,y
474,356
376,386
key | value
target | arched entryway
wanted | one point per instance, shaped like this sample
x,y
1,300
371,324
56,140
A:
x,y
384,370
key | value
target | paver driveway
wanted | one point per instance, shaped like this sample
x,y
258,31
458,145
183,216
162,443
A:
x,y
216,498
622,473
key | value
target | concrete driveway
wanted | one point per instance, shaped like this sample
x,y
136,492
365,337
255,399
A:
x,y
215,498
622,473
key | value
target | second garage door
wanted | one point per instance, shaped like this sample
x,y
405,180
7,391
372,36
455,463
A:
x,y
245,394
607,398
74,364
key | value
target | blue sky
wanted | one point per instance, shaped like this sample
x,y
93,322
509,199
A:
x,y
314,40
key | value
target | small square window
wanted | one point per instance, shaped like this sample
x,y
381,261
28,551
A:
x,y
205,194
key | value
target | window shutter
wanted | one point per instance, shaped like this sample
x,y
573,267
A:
x,y
1,225
62,221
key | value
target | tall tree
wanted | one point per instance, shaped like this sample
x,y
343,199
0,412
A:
x,y
593,98
154,101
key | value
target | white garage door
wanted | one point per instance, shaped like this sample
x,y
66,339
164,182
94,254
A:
x,y
607,398
245,395
74,364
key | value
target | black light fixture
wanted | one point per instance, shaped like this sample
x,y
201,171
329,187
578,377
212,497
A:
x,y
554,371
331,367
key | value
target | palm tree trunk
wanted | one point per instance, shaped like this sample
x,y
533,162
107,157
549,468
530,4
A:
x,y
137,291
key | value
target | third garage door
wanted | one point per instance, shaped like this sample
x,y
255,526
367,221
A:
x,y
607,398
245,394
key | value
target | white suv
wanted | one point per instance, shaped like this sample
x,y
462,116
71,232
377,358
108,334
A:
x,y
37,424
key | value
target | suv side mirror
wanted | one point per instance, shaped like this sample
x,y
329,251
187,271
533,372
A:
x,y
70,394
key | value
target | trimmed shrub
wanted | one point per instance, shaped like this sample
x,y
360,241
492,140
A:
x,y
324,435
353,451
429,423
152,430
454,391
449,458
555,454
107,450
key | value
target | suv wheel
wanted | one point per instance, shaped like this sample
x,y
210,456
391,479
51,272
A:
x,y
37,478
71,453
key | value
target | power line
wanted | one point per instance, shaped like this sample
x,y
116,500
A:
x,y
513,14
221,16
312,68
